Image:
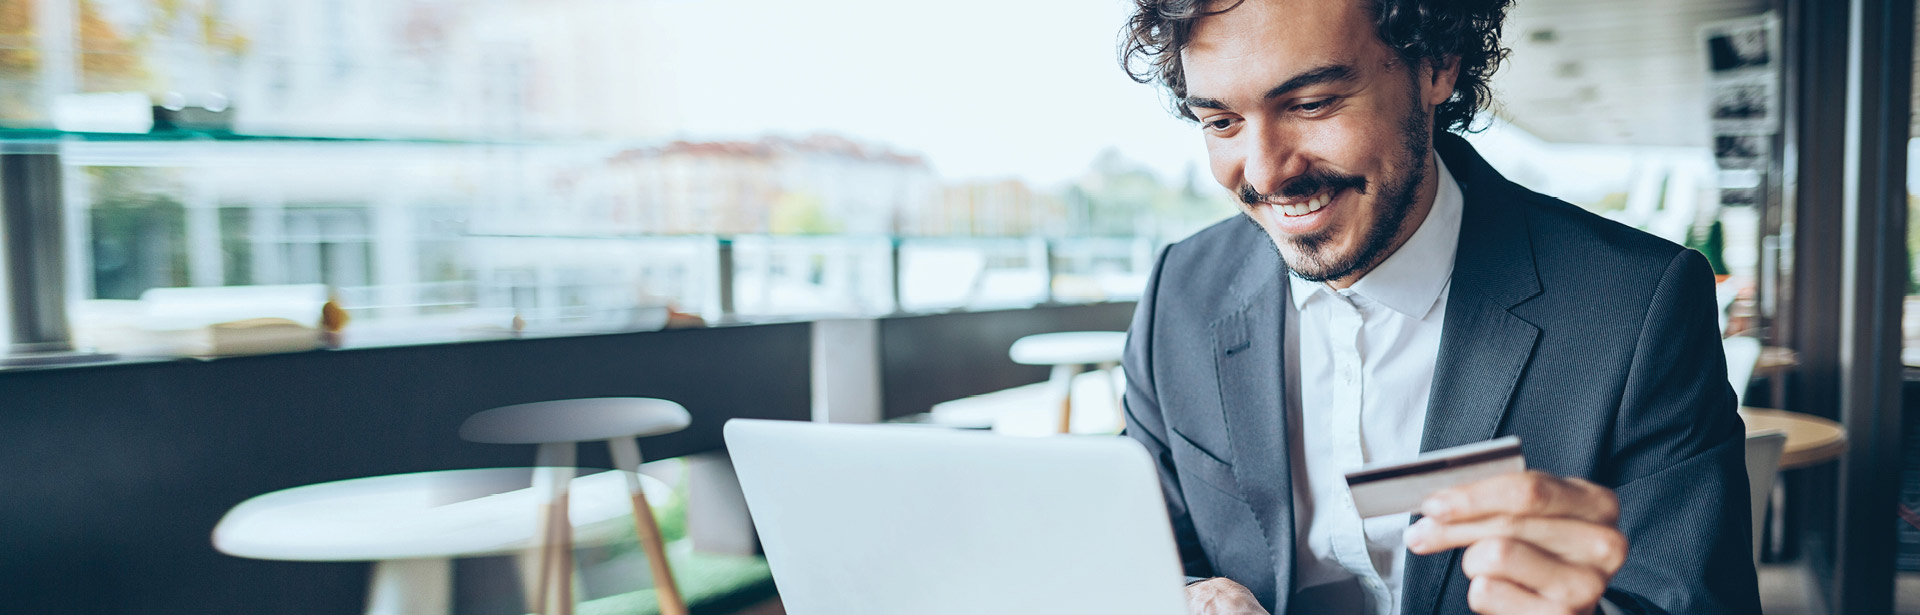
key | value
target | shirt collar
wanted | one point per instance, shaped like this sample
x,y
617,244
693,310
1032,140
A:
x,y
1410,280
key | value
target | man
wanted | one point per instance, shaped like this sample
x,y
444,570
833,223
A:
x,y
1394,294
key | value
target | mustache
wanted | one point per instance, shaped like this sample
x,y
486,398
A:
x,y
1312,182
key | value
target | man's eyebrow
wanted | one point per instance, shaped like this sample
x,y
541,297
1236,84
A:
x,y
1324,74
1316,76
1206,103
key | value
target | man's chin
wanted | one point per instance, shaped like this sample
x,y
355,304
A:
x,y
1313,264
1313,256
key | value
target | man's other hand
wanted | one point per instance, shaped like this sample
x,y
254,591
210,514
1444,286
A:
x,y
1536,543
1221,596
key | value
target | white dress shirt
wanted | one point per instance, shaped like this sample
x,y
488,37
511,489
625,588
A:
x,y
1359,368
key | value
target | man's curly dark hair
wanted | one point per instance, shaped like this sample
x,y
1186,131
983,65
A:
x,y
1431,31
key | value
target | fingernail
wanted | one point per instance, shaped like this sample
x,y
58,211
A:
x,y
1439,506
1416,535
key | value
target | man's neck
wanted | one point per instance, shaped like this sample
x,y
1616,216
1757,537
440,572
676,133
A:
x,y
1428,189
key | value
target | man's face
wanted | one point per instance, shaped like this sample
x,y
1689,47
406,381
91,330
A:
x,y
1317,126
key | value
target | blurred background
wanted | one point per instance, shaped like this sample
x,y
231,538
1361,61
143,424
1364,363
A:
x,y
255,245
445,166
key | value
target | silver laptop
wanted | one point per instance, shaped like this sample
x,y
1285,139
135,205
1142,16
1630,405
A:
x,y
887,520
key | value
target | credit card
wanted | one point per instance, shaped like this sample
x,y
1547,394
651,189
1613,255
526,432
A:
x,y
1394,488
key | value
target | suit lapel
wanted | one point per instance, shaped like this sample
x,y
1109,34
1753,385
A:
x,y
1484,348
1248,359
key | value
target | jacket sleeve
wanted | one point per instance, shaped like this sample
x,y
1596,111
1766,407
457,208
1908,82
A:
x,y
1146,426
1678,461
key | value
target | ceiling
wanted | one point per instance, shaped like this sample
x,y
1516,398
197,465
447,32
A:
x,y
1614,72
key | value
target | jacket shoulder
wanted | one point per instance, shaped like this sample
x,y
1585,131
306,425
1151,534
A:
x,y
1225,240
1204,274
1213,258
1573,244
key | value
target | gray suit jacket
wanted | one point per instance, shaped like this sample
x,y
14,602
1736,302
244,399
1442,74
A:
x,y
1596,343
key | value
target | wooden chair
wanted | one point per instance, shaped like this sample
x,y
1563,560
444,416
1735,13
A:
x,y
557,427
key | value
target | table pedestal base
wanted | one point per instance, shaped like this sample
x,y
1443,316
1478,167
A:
x,y
411,587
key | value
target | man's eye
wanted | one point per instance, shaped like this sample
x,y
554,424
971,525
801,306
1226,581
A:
x,y
1219,124
1314,106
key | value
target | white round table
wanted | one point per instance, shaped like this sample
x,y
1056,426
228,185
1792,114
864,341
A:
x,y
1069,353
412,525
1070,348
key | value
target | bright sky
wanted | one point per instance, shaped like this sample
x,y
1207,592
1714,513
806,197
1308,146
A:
x,y
983,88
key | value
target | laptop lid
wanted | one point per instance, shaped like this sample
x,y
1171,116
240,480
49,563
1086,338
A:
x,y
884,520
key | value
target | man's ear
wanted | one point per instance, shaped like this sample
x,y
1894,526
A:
x,y
1441,75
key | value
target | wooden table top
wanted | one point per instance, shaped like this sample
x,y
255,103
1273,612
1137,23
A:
x,y
1811,440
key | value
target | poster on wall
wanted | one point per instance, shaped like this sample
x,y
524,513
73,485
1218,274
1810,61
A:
x,y
1741,45
1743,88
1732,152
1746,106
1740,197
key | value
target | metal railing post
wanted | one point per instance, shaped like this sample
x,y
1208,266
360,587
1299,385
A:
x,y
30,215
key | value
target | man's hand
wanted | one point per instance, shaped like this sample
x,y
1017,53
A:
x,y
1536,543
1221,596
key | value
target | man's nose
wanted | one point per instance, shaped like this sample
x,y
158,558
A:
x,y
1272,158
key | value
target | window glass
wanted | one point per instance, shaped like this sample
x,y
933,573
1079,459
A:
x,y
448,169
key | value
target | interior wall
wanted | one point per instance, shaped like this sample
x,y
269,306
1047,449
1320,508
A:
x,y
933,358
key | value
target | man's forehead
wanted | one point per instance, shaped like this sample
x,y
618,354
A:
x,y
1265,40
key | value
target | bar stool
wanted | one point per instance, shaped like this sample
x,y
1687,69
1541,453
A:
x,y
1069,353
557,426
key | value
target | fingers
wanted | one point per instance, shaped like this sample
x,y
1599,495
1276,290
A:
x,y
1222,596
1536,543
1600,547
1529,494
1572,586
1494,596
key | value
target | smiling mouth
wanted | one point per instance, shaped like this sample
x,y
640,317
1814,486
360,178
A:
x,y
1295,210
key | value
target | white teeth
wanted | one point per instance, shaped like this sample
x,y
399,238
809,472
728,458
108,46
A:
x,y
1315,204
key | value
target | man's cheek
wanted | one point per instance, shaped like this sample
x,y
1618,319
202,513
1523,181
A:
x,y
1341,142
1225,168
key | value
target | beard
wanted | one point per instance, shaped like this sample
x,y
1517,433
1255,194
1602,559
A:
x,y
1313,259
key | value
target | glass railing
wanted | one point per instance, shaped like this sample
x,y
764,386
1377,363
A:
x,y
644,283
422,240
